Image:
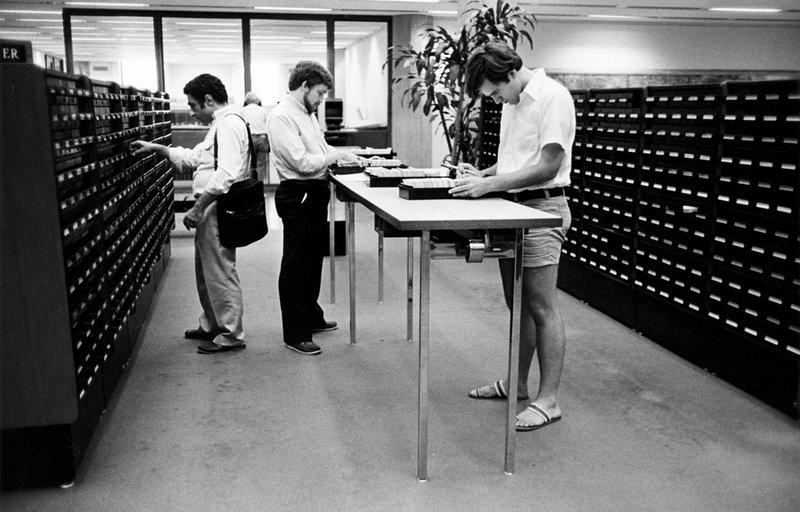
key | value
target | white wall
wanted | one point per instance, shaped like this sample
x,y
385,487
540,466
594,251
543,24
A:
x,y
608,47
629,47
589,47
411,131
270,81
365,92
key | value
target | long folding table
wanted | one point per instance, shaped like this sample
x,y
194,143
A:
x,y
419,218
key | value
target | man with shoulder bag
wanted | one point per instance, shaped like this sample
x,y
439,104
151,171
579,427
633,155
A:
x,y
219,161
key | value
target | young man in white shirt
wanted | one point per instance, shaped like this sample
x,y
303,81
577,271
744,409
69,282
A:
x,y
301,156
220,324
537,130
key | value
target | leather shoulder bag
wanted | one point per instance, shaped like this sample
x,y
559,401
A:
x,y
241,212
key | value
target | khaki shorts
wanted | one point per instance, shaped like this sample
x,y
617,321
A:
x,y
542,247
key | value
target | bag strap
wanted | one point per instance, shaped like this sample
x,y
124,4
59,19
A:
x,y
251,148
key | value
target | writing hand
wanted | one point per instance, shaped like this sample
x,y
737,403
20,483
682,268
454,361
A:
x,y
465,170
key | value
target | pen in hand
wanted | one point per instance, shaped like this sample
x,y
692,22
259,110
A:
x,y
465,172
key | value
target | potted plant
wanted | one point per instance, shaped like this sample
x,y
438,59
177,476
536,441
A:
x,y
434,77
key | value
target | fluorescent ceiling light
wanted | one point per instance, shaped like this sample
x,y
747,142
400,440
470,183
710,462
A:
x,y
443,13
305,9
38,20
225,50
12,11
129,29
339,33
614,16
107,4
127,22
200,36
208,23
745,9
277,38
4,33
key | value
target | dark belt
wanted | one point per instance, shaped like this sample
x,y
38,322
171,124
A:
x,y
317,183
539,193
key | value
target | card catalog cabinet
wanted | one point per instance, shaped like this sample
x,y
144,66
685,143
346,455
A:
x,y
85,234
685,202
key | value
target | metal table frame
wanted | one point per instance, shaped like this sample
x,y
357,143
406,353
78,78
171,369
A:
x,y
423,216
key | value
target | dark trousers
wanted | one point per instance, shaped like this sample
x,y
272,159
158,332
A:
x,y
302,205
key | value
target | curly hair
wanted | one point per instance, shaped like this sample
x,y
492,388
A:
x,y
492,62
204,84
310,72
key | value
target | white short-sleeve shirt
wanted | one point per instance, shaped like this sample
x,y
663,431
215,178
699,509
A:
x,y
544,115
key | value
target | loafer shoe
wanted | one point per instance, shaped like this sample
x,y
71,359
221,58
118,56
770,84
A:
x,y
213,348
199,334
308,348
329,326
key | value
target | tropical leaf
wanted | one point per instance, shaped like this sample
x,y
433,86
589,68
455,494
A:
x,y
434,77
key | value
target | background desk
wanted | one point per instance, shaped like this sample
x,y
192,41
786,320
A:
x,y
361,137
423,216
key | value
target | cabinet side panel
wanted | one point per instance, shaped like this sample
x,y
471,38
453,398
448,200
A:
x,y
36,360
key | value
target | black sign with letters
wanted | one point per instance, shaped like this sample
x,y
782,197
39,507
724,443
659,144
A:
x,y
15,51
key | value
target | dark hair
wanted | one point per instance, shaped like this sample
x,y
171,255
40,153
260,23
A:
x,y
204,84
310,72
492,62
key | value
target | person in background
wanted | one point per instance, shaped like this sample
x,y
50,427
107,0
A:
x,y
256,116
220,324
301,156
537,130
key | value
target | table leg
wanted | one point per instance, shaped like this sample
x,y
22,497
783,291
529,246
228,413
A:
x,y
380,267
424,321
513,356
351,259
410,289
332,241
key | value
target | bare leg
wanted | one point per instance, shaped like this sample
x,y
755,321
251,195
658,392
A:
x,y
527,338
543,328
527,349
541,299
